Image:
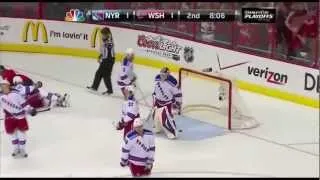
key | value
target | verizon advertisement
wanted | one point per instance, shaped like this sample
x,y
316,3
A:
x,y
312,82
268,75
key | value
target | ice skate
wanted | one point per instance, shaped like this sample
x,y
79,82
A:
x,y
107,93
66,100
23,153
15,153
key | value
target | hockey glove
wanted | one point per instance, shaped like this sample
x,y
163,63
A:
x,y
123,163
33,112
148,167
120,126
175,104
133,83
38,84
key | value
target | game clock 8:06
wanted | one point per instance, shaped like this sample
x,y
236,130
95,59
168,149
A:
x,y
217,15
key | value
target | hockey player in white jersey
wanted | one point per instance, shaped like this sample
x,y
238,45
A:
x,y
126,76
138,150
130,111
39,98
15,110
166,96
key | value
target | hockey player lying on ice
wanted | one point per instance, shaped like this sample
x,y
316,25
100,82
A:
x,y
15,111
166,96
37,97
138,150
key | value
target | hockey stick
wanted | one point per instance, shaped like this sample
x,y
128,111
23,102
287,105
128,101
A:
x,y
145,101
142,94
38,111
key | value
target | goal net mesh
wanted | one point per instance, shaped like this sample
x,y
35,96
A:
x,y
200,100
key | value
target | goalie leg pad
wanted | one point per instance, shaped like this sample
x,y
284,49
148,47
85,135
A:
x,y
157,120
165,122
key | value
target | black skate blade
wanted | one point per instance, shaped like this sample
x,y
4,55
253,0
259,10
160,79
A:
x,y
14,155
25,155
107,93
19,156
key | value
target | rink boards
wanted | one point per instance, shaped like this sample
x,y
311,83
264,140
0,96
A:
x,y
265,76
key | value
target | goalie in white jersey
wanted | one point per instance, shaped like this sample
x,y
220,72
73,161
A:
x,y
166,95
130,111
126,75
15,110
138,150
39,98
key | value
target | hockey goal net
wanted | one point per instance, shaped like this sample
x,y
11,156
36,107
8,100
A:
x,y
213,98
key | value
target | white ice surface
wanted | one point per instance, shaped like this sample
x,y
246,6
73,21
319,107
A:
x,y
81,141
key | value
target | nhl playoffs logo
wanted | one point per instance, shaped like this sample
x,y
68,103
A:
x,y
188,54
257,15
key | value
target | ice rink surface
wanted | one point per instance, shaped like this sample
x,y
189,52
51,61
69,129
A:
x,y
81,141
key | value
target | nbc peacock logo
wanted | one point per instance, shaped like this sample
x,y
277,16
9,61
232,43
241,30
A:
x,y
75,15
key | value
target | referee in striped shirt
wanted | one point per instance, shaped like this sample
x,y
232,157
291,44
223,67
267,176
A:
x,y
106,60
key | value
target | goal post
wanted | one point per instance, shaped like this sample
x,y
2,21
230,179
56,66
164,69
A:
x,y
213,97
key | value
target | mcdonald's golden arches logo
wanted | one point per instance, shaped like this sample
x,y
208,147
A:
x,y
35,31
96,33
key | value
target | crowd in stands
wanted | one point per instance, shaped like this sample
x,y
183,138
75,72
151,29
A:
x,y
294,37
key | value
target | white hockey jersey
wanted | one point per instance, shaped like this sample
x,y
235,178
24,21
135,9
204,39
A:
x,y
126,73
14,105
130,110
138,150
25,91
167,91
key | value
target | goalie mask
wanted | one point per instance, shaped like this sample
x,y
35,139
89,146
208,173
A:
x,y
164,73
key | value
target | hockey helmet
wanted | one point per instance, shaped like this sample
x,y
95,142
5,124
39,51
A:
x,y
129,51
165,70
17,80
137,122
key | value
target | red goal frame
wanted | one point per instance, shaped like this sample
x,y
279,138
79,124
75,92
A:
x,y
229,82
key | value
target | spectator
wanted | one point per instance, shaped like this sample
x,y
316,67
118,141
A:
x,y
222,30
307,33
206,32
293,22
176,28
150,26
282,11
